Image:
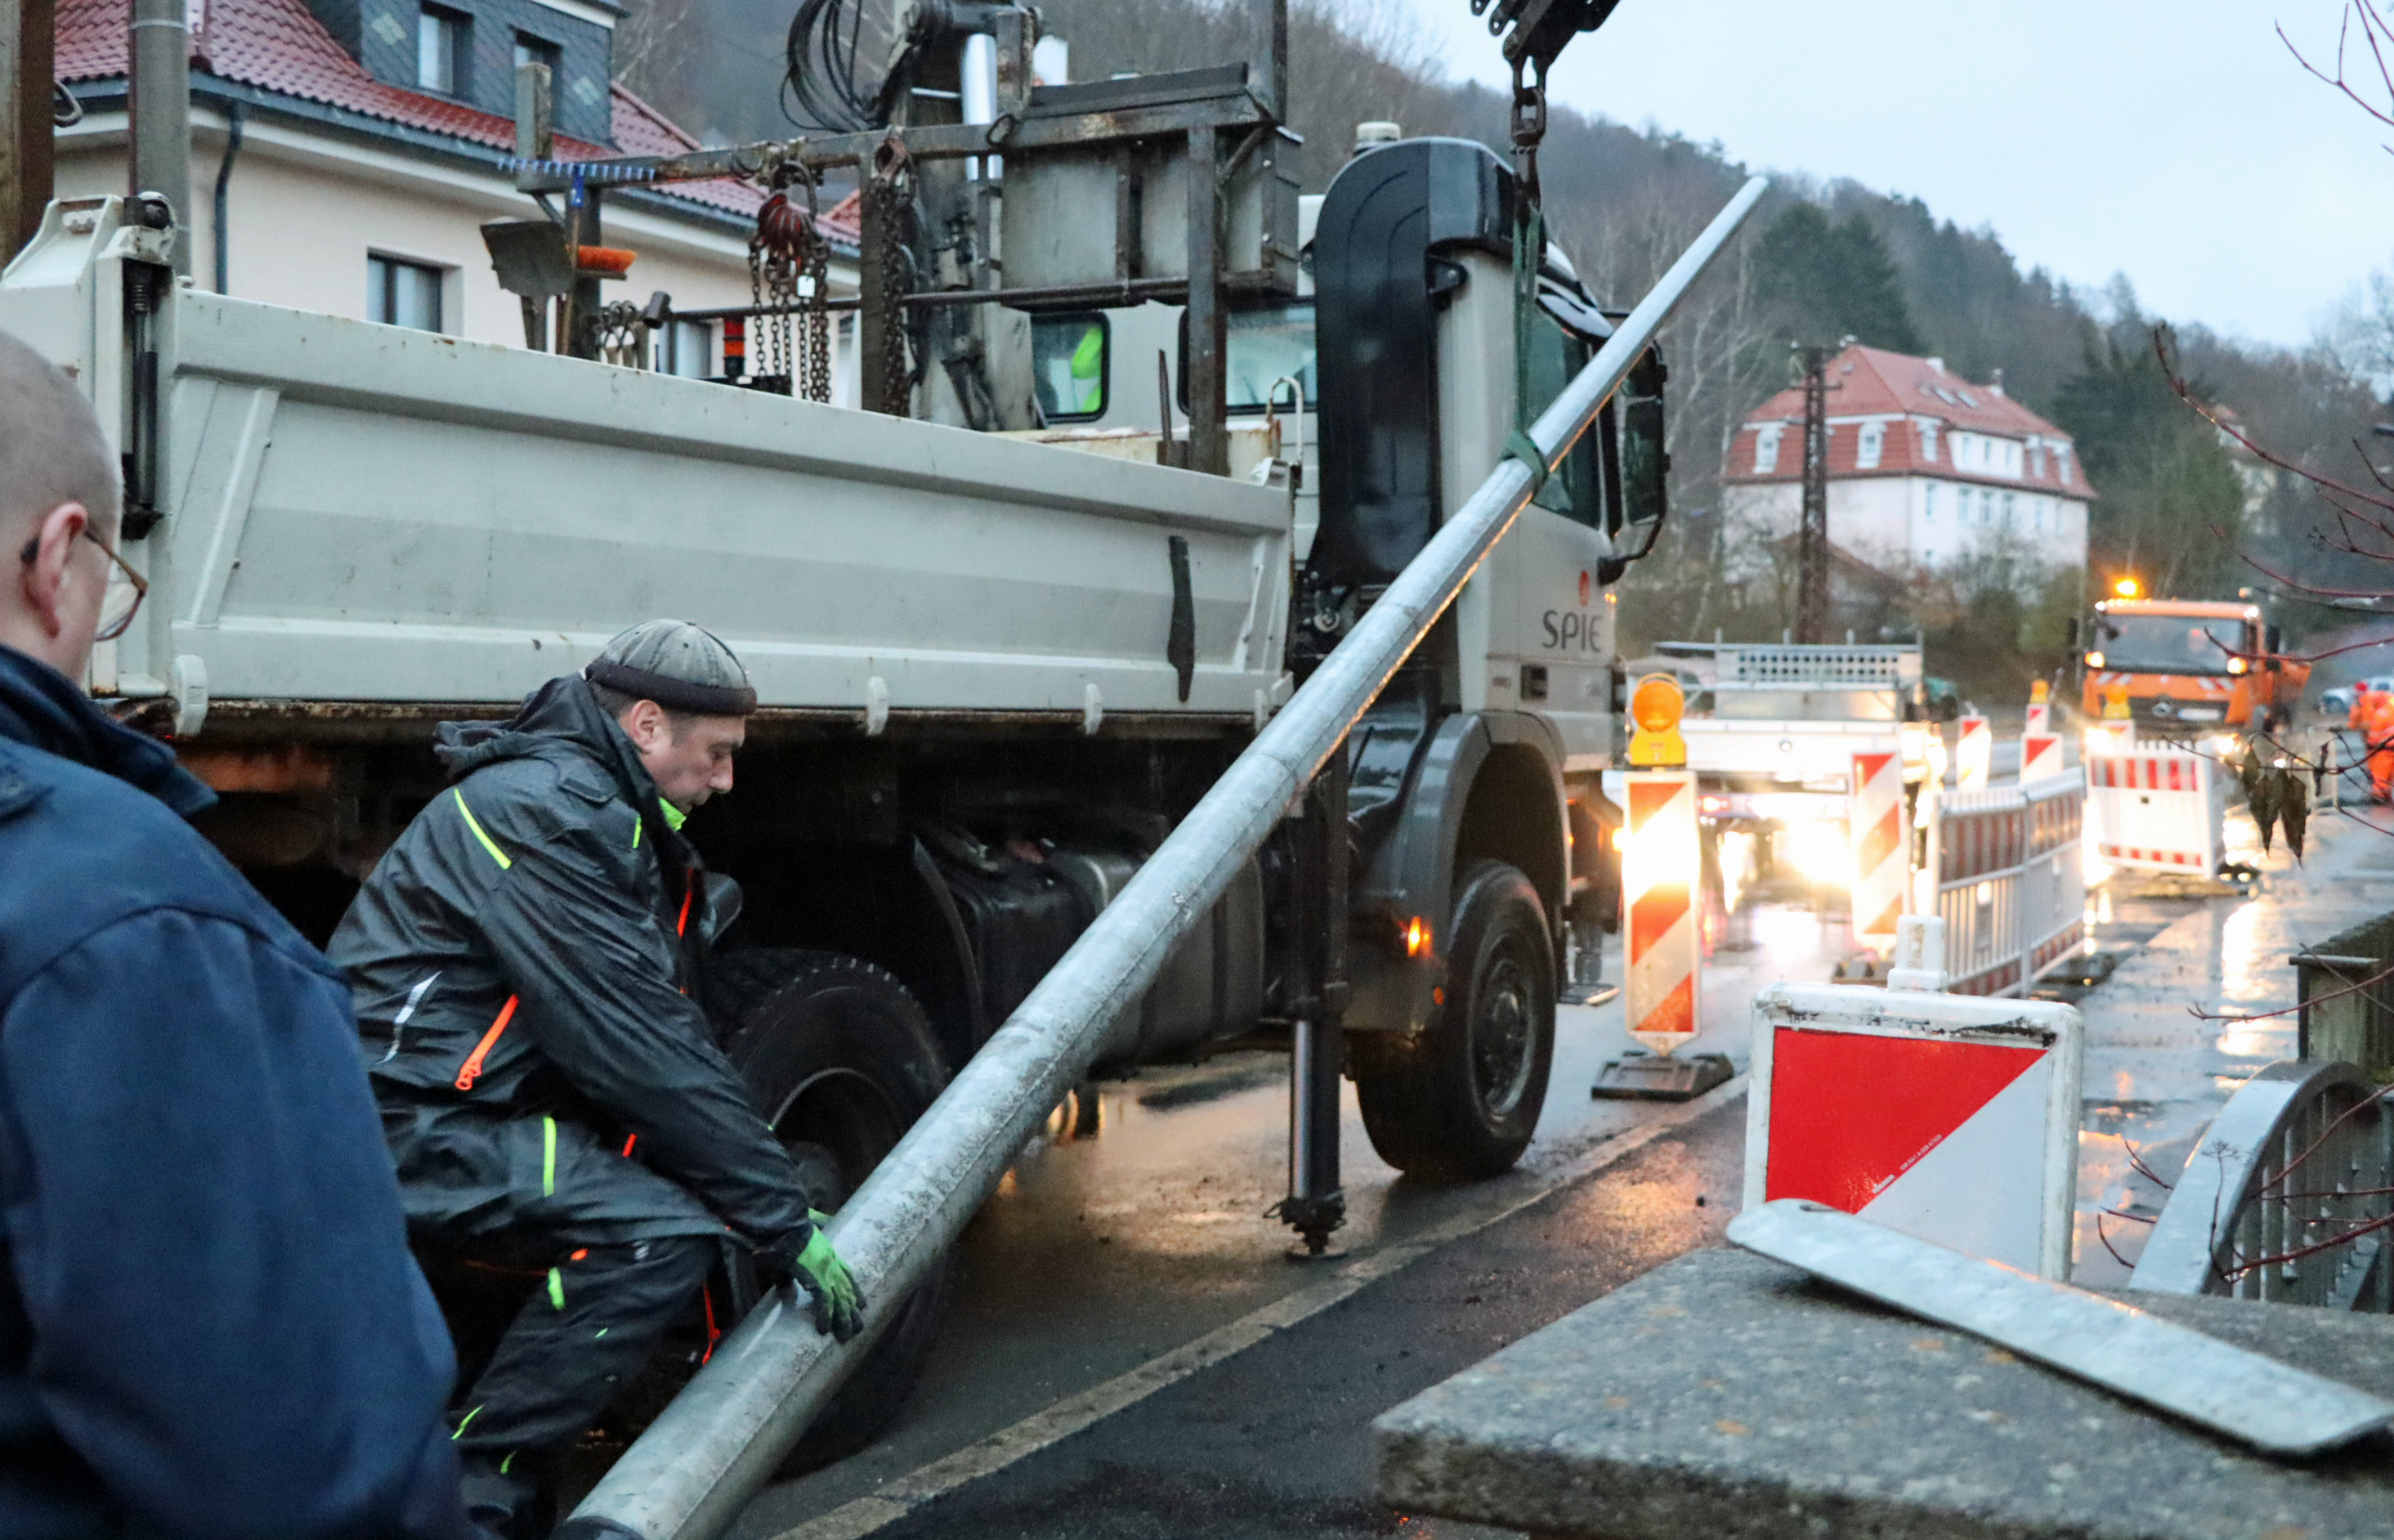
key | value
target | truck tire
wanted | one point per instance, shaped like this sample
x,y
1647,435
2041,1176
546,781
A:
x,y
1465,1102
842,1060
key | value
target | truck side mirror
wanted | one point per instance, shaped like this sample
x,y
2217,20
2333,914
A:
x,y
2273,639
1645,464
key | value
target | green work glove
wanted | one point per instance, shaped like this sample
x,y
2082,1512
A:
x,y
839,1304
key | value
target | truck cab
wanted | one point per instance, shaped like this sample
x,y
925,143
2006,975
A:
x,y
2187,667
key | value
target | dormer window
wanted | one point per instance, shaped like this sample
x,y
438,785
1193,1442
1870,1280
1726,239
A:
x,y
440,51
536,50
1928,442
1872,443
2061,464
2037,461
1766,449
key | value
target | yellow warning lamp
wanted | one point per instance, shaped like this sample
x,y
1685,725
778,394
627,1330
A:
x,y
2115,704
2128,587
1655,707
2039,692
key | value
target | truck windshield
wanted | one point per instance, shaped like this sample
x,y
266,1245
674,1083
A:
x,y
2171,644
1269,347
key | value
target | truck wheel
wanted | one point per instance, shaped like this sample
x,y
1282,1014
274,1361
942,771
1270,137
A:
x,y
1465,1103
841,1060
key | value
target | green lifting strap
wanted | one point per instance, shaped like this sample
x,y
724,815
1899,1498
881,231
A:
x,y
1523,448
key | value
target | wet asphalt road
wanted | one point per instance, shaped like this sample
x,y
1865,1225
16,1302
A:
x,y
1099,1254
1275,1442
1104,1258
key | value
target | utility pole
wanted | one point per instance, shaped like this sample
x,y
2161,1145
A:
x,y
1813,540
28,35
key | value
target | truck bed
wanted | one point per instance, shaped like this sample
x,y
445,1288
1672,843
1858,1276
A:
x,y
357,513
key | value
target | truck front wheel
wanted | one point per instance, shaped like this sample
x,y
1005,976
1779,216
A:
x,y
1465,1101
841,1060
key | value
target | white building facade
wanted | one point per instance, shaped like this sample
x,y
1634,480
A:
x,y
373,143
1926,469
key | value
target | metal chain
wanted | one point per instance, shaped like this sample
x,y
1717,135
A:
x,y
1529,227
818,265
893,190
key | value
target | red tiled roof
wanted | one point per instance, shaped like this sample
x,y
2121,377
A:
x,y
1871,382
279,45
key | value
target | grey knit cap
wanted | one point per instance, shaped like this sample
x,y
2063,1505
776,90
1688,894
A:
x,y
680,665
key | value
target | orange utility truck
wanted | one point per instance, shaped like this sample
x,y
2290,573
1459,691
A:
x,y
2188,667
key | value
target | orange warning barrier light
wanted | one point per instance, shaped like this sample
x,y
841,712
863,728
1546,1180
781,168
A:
x,y
609,261
1656,708
2128,587
1416,936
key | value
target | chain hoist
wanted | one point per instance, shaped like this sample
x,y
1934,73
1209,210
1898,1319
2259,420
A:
x,y
788,263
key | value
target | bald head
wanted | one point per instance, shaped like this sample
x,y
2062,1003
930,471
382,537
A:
x,y
51,449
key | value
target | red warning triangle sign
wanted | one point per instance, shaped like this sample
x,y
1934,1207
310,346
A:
x,y
1851,1113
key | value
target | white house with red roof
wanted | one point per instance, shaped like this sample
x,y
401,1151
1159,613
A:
x,y
1925,468
373,137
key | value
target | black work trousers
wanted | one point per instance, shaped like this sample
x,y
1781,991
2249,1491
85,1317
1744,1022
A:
x,y
588,1328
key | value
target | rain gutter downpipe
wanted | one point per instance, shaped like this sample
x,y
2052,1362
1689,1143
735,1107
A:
x,y
236,115
691,1473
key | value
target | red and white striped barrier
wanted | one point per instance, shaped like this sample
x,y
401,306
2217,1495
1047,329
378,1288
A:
x,y
1947,1118
2156,809
1974,755
1660,859
2040,754
1881,851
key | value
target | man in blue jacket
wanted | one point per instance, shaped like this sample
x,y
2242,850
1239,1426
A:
x,y
209,1321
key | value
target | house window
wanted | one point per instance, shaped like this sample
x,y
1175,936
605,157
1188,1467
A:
x,y
403,294
536,50
690,348
2011,510
1928,442
1928,504
1874,440
1766,450
1961,505
2061,464
2036,462
440,51
1068,366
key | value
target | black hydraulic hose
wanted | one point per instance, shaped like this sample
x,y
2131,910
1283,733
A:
x,y
236,115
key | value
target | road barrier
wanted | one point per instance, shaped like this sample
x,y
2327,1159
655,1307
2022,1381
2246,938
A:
x,y
2011,882
1951,1119
1974,754
2041,755
691,1473
1659,860
2156,809
1876,824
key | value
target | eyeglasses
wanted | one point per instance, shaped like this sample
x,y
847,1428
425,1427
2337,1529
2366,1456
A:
x,y
121,601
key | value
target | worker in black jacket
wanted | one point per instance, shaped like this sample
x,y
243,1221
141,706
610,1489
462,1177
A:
x,y
524,962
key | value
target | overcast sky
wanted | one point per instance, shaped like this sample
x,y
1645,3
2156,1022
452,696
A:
x,y
2178,143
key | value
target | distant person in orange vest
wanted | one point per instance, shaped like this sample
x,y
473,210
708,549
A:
x,y
2373,712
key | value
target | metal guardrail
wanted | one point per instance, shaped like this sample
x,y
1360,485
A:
x,y
2286,1197
690,1474
2348,998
